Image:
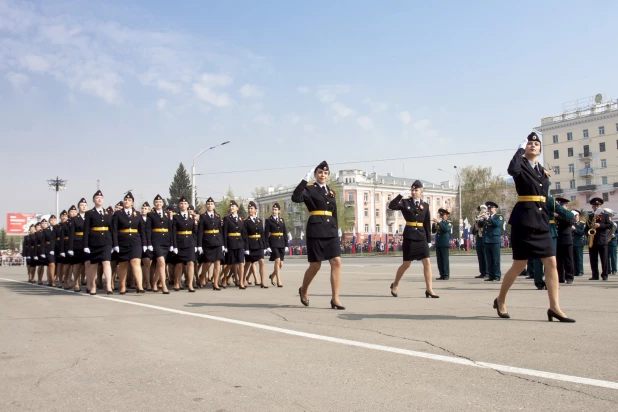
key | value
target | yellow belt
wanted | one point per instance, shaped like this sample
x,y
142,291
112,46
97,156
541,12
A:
x,y
541,199
160,230
277,234
100,229
66,238
128,231
79,233
414,224
552,221
211,232
254,236
321,213
185,232
233,234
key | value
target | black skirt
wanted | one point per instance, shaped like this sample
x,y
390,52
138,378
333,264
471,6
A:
x,y
129,252
114,256
528,243
319,250
414,250
211,254
277,253
79,257
159,251
233,256
185,255
147,254
255,255
100,254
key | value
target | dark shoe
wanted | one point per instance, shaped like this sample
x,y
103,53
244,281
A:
x,y
279,286
333,306
272,282
551,315
109,292
92,293
191,290
541,286
393,293
123,293
166,292
263,287
304,302
140,291
593,278
176,289
568,282
77,290
242,288
214,288
504,315
562,281
604,277
442,278
490,279
480,277
429,295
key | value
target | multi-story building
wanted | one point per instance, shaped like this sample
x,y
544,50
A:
x,y
581,147
369,194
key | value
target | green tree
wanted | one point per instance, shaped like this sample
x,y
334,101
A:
x,y
223,207
4,241
242,210
346,214
14,242
181,186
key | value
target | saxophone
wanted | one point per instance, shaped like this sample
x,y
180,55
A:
x,y
612,231
592,231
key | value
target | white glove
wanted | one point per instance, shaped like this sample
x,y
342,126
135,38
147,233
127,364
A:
x,y
87,250
43,255
265,251
52,252
176,251
62,254
144,248
308,175
404,193
71,253
224,249
195,247
36,258
287,249
429,244
269,250
523,144
116,249
246,252
171,248
200,250
150,249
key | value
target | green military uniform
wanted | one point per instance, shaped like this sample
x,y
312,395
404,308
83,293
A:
x,y
579,241
442,230
492,234
611,252
480,251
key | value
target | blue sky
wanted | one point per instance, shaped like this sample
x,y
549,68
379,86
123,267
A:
x,y
122,91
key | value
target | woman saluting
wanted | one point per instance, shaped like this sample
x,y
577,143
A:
x,y
322,231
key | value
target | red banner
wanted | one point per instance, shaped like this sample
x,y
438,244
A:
x,y
18,223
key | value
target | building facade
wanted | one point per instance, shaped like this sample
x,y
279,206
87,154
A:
x,y
581,148
369,195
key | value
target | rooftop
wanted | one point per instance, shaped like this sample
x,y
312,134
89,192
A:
x,y
580,109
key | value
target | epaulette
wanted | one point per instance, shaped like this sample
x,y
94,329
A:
x,y
217,215
309,184
281,219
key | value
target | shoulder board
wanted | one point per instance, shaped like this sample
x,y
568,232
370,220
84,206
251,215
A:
x,y
240,218
258,220
217,215
309,184
500,217
281,219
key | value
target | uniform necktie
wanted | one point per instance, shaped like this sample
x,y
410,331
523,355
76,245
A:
x,y
416,203
101,212
210,215
325,190
128,213
184,215
160,214
536,169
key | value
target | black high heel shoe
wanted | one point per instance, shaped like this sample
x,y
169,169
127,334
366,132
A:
x,y
272,282
304,302
429,295
140,291
333,306
165,292
263,287
551,315
191,290
504,315
215,288
393,293
110,292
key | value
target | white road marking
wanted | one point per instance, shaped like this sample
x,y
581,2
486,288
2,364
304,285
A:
x,y
416,354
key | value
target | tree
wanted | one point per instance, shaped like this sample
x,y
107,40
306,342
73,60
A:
x,y
4,241
223,208
259,191
242,210
13,243
181,186
346,214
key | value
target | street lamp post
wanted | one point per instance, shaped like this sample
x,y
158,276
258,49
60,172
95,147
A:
x,y
193,174
57,185
459,192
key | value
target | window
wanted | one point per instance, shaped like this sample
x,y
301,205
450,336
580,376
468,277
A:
x,y
350,196
572,199
572,184
366,212
586,150
601,130
366,228
555,138
557,185
570,152
400,229
390,228
603,163
588,182
585,133
605,197
377,228
588,197
377,213
377,197
557,170
556,154
438,201
604,180
602,147
389,198
366,197
571,168
570,136
587,165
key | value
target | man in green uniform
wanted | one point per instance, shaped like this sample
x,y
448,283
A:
x,y
611,244
477,231
492,235
579,241
442,229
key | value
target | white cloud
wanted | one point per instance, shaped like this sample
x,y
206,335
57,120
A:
x,y
263,119
309,128
404,117
295,118
34,63
104,87
204,89
365,122
250,90
215,80
329,93
17,80
341,109
377,107
303,89
161,103
421,124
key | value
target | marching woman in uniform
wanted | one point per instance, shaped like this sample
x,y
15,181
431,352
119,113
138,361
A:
x,y
66,259
147,254
322,232
28,253
159,239
275,235
129,240
75,248
234,245
57,249
210,243
184,244
529,226
255,245
39,243
416,235
98,243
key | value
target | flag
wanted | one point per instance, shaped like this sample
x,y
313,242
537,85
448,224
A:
x,y
467,224
289,236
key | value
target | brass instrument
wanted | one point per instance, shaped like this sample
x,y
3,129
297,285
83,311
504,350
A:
x,y
612,231
592,231
483,214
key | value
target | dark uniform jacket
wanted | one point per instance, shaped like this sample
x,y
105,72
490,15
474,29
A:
x,y
492,230
413,214
39,245
528,183
600,238
76,233
275,233
97,238
316,199
478,233
565,230
443,233
156,227
579,234
25,248
128,230
184,232
254,234
33,245
210,231
59,239
233,232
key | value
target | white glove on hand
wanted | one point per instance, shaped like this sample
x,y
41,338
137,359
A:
x,y
150,248
404,193
246,252
171,248
224,249
269,250
429,244
36,258
195,249
144,248
71,253
287,249
87,250
27,257
43,255
52,252
62,254
176,251
200,250
308,175
523,144
116,249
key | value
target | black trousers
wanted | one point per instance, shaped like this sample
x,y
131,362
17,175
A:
x,y
564,259
480,254
595,252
